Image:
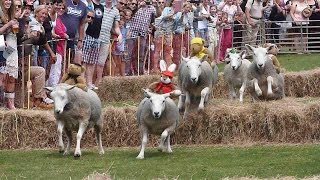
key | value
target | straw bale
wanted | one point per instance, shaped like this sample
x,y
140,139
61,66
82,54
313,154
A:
x,y
291,120
297,84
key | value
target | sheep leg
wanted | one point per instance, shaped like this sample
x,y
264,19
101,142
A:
x,y
241,91
98,138
169,150
69,136
256,87
232,92
204,94
187,105
181,102
144,142
82,129
60,130
270,82
160,148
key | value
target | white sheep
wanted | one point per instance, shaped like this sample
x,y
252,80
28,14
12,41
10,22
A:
x,y
75,109
235,73
196,78
157,114
264,83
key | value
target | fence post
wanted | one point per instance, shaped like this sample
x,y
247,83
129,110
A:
x,y
263,32
22,77
301,38
138,55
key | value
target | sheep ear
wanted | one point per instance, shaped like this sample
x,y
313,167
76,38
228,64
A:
x,y
204,57
70,87
185,59
49,89
147,93
175,93
163,65
250,48
271,47
172,67
243,54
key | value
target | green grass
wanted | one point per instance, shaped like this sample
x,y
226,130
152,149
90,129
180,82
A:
x,y
211,162
295,62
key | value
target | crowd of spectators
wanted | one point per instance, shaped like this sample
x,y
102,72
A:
x,y
129,37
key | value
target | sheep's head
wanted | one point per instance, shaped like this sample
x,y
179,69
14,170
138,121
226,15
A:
x,y
194,68
259,55
158,101
236,59
59,94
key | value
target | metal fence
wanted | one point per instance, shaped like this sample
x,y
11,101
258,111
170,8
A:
x,y
290,37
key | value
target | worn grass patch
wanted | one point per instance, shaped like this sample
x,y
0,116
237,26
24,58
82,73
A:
x,y
188,162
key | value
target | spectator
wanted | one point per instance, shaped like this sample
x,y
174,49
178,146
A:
x,y
299,24
158,37
118,51
212,31
111,18
200,22
9,57
124,31
121,5
74,20
180,37
238,29
253,11
140,23
277,14
60,31
315,22
91,45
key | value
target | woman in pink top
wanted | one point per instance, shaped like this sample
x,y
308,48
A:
x,y
60,30
299,23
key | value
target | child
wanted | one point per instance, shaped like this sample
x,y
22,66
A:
x,y
118,51
61,31
238,28
213,35
225,36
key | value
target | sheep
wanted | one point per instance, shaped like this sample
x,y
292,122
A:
x,y
75,109
157,114
195,78
264,83
235,73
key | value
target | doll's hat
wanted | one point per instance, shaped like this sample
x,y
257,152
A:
x,y
167,73
197,40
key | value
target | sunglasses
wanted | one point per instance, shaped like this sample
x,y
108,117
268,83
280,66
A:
x,y
160,2
18,6
123,4
48,4
133,4
63,8
90,17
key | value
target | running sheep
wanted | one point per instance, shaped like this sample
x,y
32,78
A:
x,y
75,109
264,83
157,114
235,72
196,78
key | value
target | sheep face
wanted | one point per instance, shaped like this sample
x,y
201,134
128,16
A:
x,y
60,97
259,55
194,68
236,59
157,103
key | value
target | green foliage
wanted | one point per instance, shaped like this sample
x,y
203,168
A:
x,y
210,162
294,62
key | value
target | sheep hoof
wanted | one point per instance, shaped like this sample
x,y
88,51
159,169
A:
x,y
169,150
77,155
101,152
259,92
201,108
61,151
140,157
66,153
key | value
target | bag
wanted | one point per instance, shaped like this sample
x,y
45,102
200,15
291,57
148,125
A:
x,y
243,5
307,12
2,43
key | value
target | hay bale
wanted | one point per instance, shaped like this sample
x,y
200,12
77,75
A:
x,y
297,84
289,120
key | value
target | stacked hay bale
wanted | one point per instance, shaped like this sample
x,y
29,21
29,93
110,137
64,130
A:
x,y
297,84
291,120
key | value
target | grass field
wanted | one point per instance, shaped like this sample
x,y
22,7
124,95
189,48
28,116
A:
x,y
208,162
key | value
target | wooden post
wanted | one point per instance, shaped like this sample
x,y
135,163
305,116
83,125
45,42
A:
x,y
29,81
149,58
110,57
22,78
138,55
